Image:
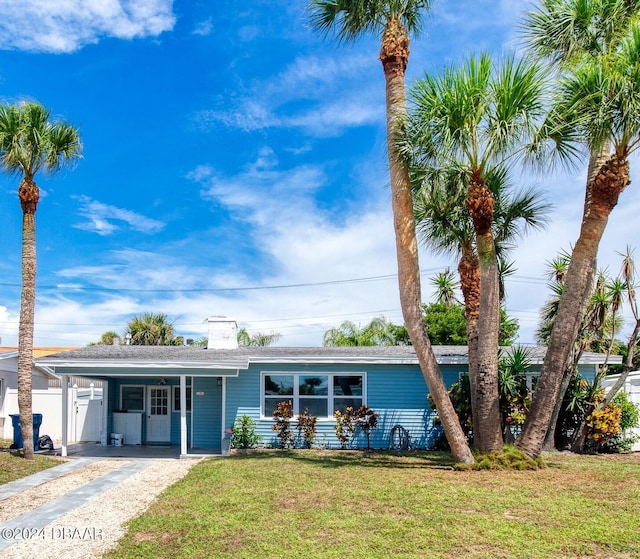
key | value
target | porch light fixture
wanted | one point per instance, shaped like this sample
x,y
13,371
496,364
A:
x,y
162,382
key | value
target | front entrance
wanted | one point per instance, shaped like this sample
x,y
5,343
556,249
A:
x,y
158,416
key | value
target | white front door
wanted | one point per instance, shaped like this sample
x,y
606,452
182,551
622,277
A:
x,y
158,415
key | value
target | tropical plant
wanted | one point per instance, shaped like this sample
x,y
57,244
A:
x,y
445,284
259,339
596,48
107,338
630,283
366,420
307,427
466,126
379,332
393,21
515,396
344,426
243,433
629,419
282,415
150,329
30,142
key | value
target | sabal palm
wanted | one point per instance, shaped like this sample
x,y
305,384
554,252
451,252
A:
x,y
150,329
445,227
600,103
258,339
394,21
30,142
471,122
379,332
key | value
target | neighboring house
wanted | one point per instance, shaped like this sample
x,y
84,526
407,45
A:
x,y
189,396
84,424
632,388
9,388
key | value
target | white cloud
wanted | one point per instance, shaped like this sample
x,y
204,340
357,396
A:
x,y
64,26
303,97
101,218
203,28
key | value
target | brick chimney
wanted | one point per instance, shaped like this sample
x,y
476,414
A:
x,y
223,333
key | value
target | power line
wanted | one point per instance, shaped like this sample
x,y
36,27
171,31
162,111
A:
x,y
71,287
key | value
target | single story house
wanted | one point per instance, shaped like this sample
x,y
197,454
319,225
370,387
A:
x,y
190,396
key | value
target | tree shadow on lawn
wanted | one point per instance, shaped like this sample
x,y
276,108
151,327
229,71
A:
x,y
362,458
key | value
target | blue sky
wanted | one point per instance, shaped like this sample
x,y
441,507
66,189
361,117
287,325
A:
x,y
234,164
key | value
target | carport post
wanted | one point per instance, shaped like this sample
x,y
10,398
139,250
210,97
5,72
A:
x,y
183,415
65,413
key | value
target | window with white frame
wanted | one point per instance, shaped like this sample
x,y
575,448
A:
x,y
131,397
320,394
176,398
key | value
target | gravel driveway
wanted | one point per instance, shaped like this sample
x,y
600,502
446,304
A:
x,y
85,508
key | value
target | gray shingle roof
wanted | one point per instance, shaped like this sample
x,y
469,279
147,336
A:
x,y
241,357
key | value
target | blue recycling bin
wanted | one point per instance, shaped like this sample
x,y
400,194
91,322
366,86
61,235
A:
x,y
17,430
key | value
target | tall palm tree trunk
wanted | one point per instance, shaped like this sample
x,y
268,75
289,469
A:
x,y
394,56
608,183
480,203
29,196
469,272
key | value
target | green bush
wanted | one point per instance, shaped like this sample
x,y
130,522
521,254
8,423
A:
x,y
629,419
243,433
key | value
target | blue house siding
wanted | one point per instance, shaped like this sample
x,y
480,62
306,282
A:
x,y
397,393
207,413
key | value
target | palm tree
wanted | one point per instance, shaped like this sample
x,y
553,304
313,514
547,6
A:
x,y
150,329
379,332
445,284
31,142
630,283
394,21
469,124
259,339
445,227
597,47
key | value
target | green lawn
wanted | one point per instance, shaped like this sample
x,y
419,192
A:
x,y
14,467
332,504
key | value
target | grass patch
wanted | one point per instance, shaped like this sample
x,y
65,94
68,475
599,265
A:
x,y
13,466
333,504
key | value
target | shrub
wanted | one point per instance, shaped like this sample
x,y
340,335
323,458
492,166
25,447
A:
x,y
629,419
344,426
282,416
366,420
243,433
307,427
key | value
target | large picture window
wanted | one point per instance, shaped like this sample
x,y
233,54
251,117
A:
x,y
321,394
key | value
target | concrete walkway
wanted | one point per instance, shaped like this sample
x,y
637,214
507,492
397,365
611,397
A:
x,y
36,519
